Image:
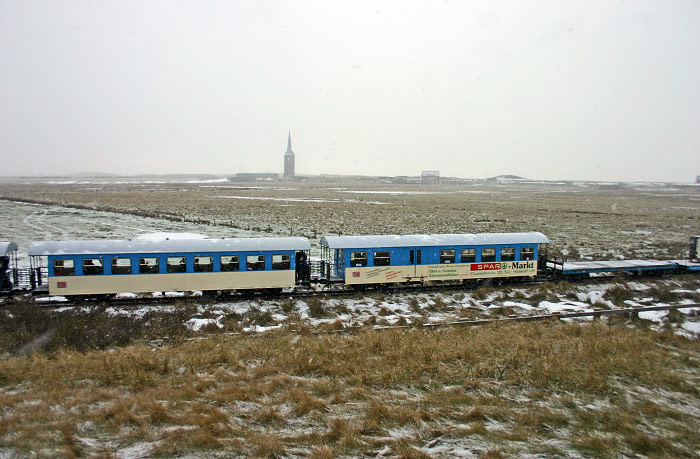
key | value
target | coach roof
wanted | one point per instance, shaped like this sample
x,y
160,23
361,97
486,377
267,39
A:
x,y
432,240
6,247
168,246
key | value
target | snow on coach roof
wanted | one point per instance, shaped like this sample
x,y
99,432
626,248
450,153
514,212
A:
x,y
168,246
427,240
6,247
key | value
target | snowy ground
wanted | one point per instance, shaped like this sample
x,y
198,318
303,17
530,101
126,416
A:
x,y
25,223
380,310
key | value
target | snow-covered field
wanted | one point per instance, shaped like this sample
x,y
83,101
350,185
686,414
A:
x,y
206,390
24,223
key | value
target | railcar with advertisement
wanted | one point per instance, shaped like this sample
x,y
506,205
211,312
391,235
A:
x,y
470,258
108,267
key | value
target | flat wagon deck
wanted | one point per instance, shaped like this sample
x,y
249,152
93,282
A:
x,y
689,265
569,268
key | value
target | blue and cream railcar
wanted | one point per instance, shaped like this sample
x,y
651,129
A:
x,y
357,260
8,265
141,266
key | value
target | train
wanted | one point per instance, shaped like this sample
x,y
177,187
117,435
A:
x,y
105,268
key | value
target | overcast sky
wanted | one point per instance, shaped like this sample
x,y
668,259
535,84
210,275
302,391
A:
x,y
588,90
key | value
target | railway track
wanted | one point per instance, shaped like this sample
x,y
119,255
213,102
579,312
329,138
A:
x,y
595,313
320,291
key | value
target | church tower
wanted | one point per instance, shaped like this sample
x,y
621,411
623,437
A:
x,y
289,159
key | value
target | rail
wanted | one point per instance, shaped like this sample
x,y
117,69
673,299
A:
x,y
633,312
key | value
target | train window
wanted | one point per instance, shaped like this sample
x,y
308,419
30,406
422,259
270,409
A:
x,y
121,265
447,255
358,259
468,255
281,262
148,265
527,253
507,254
176,264
92,266
63,267
203,264
488,254
229,263
255,263
382,258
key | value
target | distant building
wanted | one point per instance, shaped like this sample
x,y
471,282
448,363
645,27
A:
x,y
289,158
430,177
697,179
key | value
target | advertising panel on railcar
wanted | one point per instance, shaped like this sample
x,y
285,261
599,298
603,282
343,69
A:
x,y
460,271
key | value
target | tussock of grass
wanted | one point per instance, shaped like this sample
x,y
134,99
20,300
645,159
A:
x,y
181,440
664,294
482,293
317,308
323,452
404,450
268,446
304,403
618,294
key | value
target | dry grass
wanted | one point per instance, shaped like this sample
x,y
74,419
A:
x,y
350,391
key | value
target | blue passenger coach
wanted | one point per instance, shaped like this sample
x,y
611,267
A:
x,y
140,266
431,257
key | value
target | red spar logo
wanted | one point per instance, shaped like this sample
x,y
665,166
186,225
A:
x,y
486,267
356,274
62,284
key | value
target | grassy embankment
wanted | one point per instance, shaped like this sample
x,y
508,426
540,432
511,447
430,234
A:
x,y
603,388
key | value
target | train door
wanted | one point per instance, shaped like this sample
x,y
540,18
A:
x,y
302,268
415,259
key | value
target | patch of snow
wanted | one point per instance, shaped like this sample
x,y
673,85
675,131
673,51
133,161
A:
x,y
220,180
138,313
654,316
261,329
319,200
692,327
51,299
393,193
125,295
195,324
560,307
136,451
518,305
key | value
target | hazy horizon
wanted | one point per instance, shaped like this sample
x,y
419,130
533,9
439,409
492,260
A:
x,y
553,90
204,177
